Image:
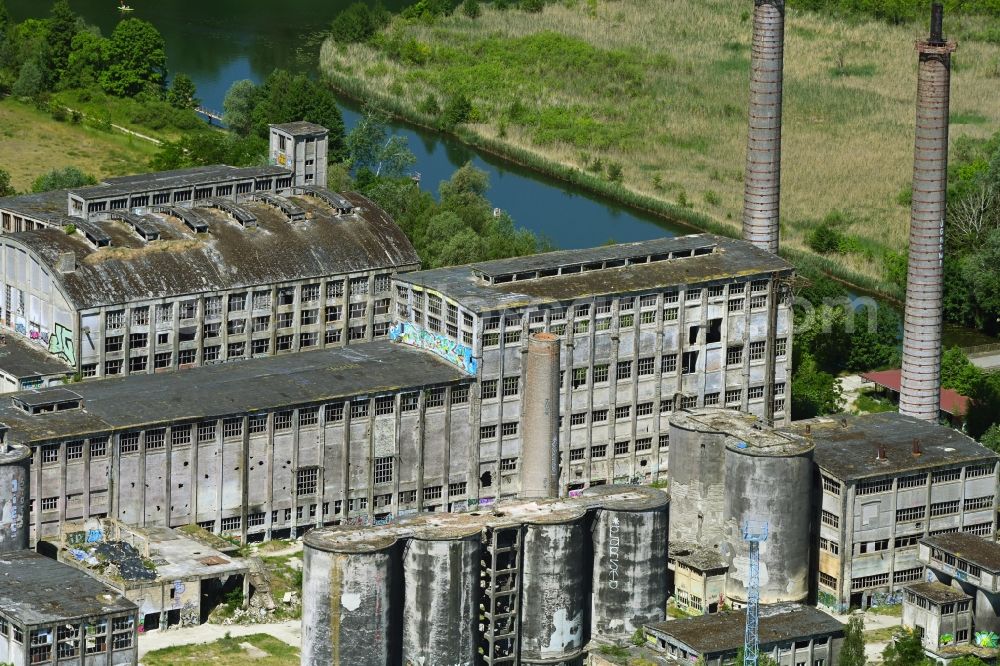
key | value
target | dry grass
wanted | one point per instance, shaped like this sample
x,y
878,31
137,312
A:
x,y
849,102
32,144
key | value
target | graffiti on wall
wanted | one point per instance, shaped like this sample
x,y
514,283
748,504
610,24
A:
x,y
61,344
11,519
455,353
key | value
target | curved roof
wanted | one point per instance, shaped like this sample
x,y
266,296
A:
x,y
226,257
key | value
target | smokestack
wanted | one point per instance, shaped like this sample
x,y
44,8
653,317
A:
x,y
920,388
540,423
763,173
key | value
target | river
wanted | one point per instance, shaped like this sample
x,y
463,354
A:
x,y
222,41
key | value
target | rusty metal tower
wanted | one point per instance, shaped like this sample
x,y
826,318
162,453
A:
x,y
762,181
921,381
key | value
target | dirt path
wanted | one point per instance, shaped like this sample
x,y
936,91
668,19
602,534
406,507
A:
x,y
289,632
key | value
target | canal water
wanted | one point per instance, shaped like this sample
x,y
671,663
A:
x,y
222,41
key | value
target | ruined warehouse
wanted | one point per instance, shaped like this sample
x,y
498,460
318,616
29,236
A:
x,y
132,296
647,328
260,449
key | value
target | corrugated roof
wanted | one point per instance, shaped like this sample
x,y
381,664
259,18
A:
x,y
952,402
227,257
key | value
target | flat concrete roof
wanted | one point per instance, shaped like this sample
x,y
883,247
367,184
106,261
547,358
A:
x,y
227,256
969,547
724,632
52,207
847,445
301,128
939,593
354,539
728,258
35,590
744,432
174,179
239,387
22,359
697,557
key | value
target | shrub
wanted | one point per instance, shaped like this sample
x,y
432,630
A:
x,y
458,110
58,112
357,23
615,172
532,5
471,8
824,239
712,198
429,105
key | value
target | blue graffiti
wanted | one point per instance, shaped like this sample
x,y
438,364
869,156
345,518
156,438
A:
x,y
455,353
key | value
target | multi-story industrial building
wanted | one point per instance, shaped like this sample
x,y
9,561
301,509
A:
x,y
171,270
970,565
263,448
647,328
885,482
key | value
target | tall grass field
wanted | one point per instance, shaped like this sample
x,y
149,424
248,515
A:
x,y
648,100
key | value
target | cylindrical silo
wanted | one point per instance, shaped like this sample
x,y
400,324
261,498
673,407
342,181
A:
x,y
350,599
441,596
540,422
769,478
697,489
629,582
555,578
15,497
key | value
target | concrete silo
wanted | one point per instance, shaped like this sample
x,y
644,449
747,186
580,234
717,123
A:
x,y
555,580
769,477
441,595
350,599
629,583
15,494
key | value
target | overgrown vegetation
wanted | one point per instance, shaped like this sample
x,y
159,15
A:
x,y
263,650
586,92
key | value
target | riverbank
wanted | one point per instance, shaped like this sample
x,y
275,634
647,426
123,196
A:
x,y
585,92
32,143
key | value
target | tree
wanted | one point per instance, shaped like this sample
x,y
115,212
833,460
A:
x,y
979,270
991,438
6,189
241,99
369,146
814,392
87,59
471,8
958,372
852,652
210,147
4,18
873,342
358,23
31,80
286,98
63,26
137,59
182,93
906,650
62,179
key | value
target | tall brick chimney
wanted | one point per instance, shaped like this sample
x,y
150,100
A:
x,y
763,173
921,382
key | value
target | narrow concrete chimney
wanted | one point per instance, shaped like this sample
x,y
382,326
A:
x,y
881,453
762,182
540,421
917,451
66,262
920,388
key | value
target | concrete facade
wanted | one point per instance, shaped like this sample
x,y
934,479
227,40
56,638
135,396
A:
x,y
301,147
697,578
942,615
646,328
970,565
191,297
884,482
51,612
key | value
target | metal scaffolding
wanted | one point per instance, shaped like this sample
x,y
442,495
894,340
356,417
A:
x,y
754,533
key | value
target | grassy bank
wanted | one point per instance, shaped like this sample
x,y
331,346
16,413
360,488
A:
x,y
259,649
646,102
32,143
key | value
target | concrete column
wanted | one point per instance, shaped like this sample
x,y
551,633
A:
x,y
540,428
921,378
763,169
15,489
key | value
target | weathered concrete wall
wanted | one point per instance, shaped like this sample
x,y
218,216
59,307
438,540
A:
x,y
540,421
775,489
697,490
555,581
350,614
441,601
15,494
630,571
